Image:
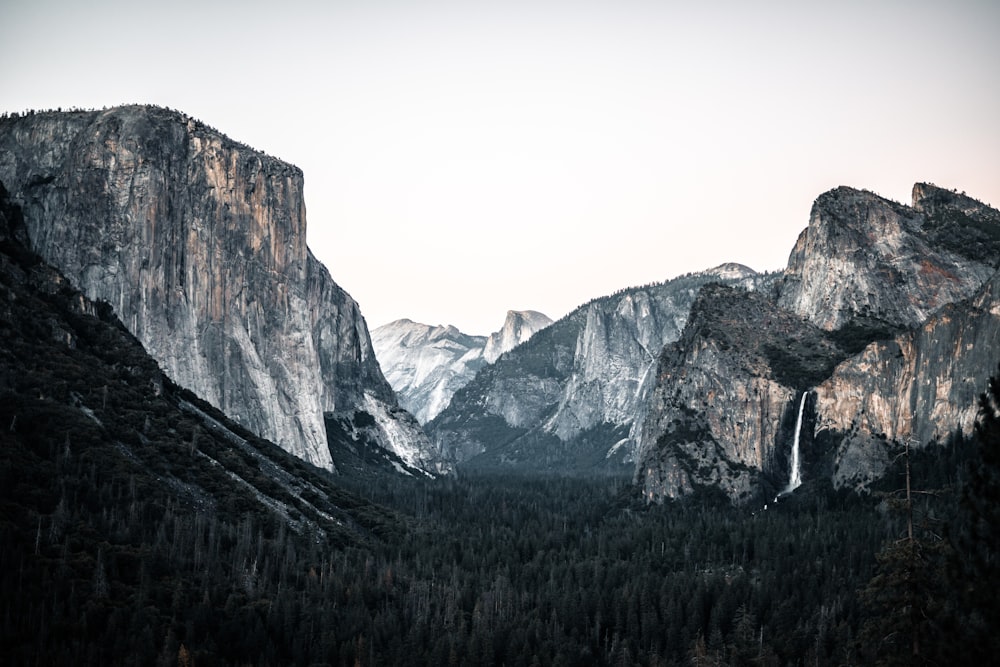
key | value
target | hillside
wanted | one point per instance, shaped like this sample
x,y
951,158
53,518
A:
x,y
136,519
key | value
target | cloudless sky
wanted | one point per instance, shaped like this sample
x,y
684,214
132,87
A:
x,y
466,158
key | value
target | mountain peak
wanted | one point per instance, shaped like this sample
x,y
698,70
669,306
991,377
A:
x,y
860,247
519,326
731,271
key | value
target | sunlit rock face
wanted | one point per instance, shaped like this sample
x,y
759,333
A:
x,y
518,326
920,387
865,256
199,243
572,395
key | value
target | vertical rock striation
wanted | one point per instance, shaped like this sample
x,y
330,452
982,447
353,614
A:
x,y
199,243
920,386
727,394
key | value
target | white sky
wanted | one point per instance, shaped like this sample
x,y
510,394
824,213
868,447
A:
x,y
465,158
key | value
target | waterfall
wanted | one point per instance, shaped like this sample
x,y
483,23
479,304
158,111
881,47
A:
x,y
795,474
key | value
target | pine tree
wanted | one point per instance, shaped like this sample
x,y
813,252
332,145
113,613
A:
x,y
978,534
907,596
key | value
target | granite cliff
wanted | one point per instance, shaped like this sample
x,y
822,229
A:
x,y
518,326
866,256
885,319
199,245
569,397
920,386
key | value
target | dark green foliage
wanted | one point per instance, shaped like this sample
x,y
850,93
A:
x,y
538,452
759,337
976,535
962,225
568,570
859,332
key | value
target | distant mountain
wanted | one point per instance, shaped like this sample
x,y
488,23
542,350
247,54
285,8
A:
x,y
887,320
569,397
519,326
426,364
199,244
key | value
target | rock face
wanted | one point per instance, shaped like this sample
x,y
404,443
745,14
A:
x,y
519,326
570,396
199,244
723,410
920,386
886,318
426,365
863,255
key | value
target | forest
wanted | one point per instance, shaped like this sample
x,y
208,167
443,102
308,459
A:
x,y
494,570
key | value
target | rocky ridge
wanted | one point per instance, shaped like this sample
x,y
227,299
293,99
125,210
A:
x,y
199,244
866,256
569,397
887,320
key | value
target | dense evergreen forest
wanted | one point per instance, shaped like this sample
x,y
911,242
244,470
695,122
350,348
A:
x,y
138,526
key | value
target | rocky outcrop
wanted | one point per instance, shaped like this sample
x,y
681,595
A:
x,y
723,410
570,396
518,326
426,364
865,256
886,317
199,244
919,387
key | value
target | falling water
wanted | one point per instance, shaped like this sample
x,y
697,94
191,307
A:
x,y
795,476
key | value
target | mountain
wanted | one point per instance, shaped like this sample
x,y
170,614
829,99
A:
x,y
863,256
426,364
519,326
883,328
568,398
127,503
199,245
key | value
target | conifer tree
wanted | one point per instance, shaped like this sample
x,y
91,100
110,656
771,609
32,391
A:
x,y
978,534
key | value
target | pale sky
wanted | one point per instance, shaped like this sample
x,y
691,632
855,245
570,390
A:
x,y
466,158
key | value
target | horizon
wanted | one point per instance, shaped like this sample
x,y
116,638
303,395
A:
x,y
463,161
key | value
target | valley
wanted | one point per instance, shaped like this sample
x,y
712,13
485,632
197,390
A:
x,y
206,458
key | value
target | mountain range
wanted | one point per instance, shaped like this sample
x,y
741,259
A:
x,y
882,327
